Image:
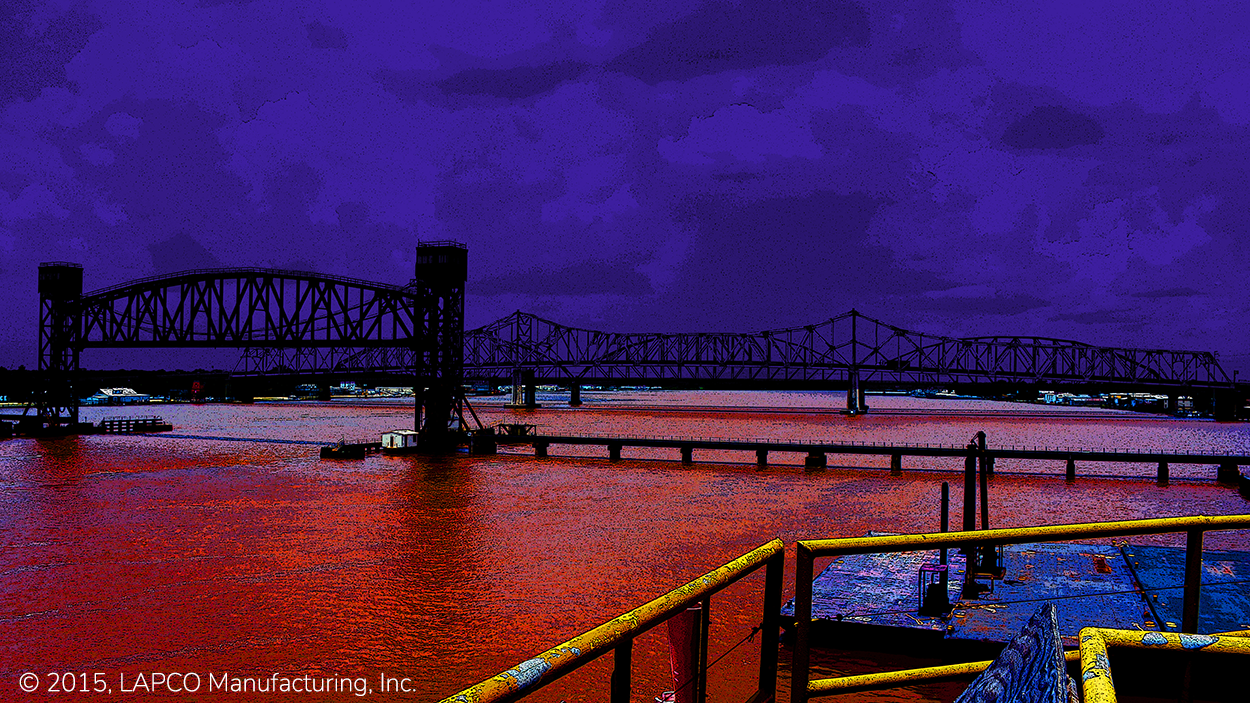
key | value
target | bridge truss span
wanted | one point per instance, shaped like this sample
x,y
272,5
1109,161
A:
x,y
848,348
251,308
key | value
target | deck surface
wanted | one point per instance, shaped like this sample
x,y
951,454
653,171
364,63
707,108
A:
x,y
1091,585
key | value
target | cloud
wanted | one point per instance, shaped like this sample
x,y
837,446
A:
x,y
723,36
745,134
1052,127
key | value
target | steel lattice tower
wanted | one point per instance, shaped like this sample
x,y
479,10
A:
x,y
60,322
441,271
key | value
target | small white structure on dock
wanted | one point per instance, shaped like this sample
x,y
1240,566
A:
x,y
399,440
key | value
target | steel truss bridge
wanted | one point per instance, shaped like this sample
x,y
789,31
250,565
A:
x,y
311,324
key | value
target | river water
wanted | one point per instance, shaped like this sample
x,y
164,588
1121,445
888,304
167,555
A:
x,y
200,554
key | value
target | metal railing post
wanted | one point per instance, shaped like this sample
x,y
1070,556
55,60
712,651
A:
x,y
705,614
1193,581
799,663
622,670
770,627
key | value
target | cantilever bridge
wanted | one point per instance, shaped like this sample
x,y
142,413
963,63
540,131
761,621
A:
x,y
301,323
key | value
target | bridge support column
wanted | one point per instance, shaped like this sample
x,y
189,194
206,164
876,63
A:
x,y
815,460
1173,403
523,390
1071,472
761,458
540,450
1227,473
896,464
575,395
1224,405
614,451
687,455
1161,476
855,404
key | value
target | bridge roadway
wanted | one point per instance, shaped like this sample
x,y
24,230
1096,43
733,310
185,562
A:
x,y
817,452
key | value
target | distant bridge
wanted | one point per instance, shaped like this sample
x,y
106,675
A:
x,y
301,323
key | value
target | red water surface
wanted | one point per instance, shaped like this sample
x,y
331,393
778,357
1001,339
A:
x,y
132,555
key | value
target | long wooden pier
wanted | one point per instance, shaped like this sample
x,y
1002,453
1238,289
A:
x,y
817,453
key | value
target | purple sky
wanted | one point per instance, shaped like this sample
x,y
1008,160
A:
x,y
637,166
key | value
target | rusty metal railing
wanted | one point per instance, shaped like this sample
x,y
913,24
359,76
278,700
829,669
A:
x,y
807,551
618,636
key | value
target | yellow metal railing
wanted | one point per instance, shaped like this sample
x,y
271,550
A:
x,y
1096,679
618,636
807,551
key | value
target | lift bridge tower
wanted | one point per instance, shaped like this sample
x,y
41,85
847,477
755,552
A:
x,y
60,324
441,271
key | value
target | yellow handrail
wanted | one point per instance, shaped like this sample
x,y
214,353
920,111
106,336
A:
x,y
1096,669
618,634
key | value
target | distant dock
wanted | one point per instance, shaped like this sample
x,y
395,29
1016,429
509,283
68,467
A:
x,y
816,453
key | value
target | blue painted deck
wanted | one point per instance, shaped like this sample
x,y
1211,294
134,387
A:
x,y
1091,585
1223,604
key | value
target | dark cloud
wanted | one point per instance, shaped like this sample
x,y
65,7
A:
x,y
977,307
1182,292
512,83
322,36
33,57
410,86
181,253
589,278
1098,317
722,36
781,262
1052,127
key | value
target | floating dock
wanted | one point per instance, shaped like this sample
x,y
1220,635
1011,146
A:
x,y
872,601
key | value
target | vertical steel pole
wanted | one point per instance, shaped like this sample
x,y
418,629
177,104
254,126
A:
x,y
946,510
704,625
970,489
1193,581
800,661
770,628
622,666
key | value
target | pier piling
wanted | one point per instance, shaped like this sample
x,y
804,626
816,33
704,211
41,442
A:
x,y
540,449
1161,476
761,458
1071,474
687,455
614,451
896,464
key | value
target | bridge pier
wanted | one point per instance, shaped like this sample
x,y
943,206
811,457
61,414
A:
x,y
1227,473
575,395
540,450
761,458
614,451
1161,475
687,455
1071,471
855,404
815,460
1173,403
524,390
896,464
